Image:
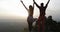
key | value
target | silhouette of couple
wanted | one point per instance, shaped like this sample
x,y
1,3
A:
x,y
41,17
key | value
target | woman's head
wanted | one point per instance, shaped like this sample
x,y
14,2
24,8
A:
x,y
31,10
30,7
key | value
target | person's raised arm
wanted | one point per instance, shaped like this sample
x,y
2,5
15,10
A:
x,y
24,5
33,5
36,3
47,3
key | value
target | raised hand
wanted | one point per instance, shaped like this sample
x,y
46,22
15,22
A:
x,y
21,1
24,5
47,3
33,0
36,3
49,0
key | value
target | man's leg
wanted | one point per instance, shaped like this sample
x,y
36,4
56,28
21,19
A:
x,y
39,23
43,23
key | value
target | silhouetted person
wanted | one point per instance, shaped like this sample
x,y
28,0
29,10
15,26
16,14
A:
x,y
51,21
42,9
58,27
51,24
30,18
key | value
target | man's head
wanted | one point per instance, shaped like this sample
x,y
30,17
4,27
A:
x,y
42,4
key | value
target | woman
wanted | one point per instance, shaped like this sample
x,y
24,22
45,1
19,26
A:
x,y
30,18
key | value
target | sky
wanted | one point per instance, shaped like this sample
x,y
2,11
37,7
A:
x,y
15,9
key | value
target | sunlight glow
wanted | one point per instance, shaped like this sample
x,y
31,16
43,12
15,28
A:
x,y
15,8
23,13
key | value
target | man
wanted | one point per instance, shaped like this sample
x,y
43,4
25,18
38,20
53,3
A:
x,y
42,9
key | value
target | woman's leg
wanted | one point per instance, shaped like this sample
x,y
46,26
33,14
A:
x,y
30,26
